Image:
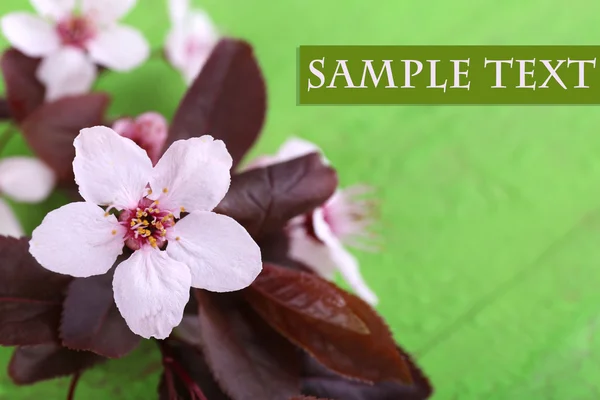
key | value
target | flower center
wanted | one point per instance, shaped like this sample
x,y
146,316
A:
x,y
147,225
76,31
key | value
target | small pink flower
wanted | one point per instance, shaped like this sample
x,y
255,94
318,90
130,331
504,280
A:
x,y
71,36
149,131
318,239
191,39
26,180
163,213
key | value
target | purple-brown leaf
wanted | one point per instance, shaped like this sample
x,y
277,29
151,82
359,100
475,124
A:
x,y
30,364
51,129
296,304
23,91
91,320
264,199
30,296
227,100
5,112
248,359
319,381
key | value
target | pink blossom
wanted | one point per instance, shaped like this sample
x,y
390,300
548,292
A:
x,y
71,37
162,213
318,239
191,39
149,131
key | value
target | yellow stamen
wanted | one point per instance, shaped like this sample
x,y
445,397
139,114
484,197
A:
x,y
177,238
165,190
182,209
114,232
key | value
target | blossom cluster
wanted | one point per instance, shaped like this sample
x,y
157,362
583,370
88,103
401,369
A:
x,y
168,233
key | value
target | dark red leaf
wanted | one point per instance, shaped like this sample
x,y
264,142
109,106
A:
x,y
227,100
5,112
319,317
264,199
184,364
23,91
307,398
30,296
30,364
51,129
247,358
274,248
319,381
307,296
91,320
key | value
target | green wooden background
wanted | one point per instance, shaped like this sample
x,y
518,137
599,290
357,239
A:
x,y
490,216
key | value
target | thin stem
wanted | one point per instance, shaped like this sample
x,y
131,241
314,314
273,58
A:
x,y
73,386
171,365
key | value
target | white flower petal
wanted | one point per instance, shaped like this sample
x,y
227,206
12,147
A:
x,y
30,34
78,240
312,253
350,271
55,9
296,147
9,224
220,253
332,252
193,174
26,179
151,291
110,170
178,10
120,48
66,72
106,11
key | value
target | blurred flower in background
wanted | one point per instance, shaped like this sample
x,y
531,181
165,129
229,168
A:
x,y
71,37
23,179
190,40
149,131
318,238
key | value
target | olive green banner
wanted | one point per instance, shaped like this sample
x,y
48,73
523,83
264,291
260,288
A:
x,y
448,75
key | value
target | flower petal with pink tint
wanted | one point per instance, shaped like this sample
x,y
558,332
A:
x,y
110,170
119,47
149,131
191,39
54,9
78,239
66,72
9,224
178,9
151,291
192,175
30,34
105,12
332,253
26,179
219,252
294,148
